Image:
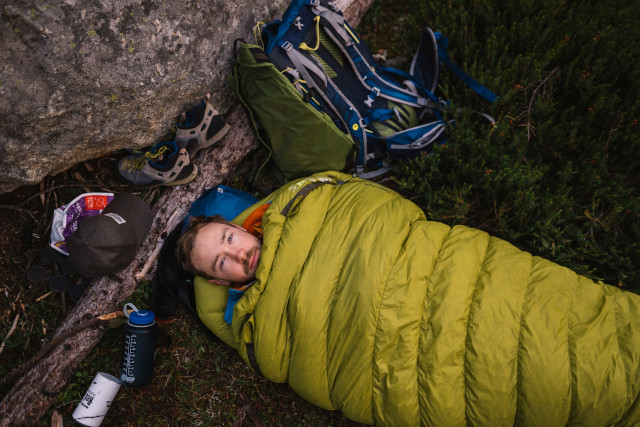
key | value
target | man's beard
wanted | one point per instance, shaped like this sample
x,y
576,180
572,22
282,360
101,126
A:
x,y
248,258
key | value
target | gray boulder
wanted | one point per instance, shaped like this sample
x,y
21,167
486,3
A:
x,y
83,78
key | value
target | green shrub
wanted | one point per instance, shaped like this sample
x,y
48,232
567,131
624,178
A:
x,y
557,175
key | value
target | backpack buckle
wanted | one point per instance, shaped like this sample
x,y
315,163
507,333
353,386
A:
x,y
372,96
313,2
295,74
287,46
439,104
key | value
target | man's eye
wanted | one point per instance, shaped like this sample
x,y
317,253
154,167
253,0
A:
x,y
221,263
230,238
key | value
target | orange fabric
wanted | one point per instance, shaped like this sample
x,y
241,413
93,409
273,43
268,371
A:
x,y
242,286
253,223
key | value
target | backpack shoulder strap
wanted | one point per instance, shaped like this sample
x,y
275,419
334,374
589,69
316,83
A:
x,y
443,43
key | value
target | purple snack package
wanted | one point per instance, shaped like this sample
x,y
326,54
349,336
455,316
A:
x,y
66,217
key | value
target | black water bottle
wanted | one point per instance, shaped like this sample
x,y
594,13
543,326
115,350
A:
x,y
139,347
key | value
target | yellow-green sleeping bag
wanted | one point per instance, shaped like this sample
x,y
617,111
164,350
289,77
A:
x,y
363,305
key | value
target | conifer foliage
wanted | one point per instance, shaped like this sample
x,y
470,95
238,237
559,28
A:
x,y
558,175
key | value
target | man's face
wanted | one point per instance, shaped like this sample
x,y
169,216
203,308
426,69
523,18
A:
x,y
227,253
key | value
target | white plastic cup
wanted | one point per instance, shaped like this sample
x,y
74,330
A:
x,y
97,400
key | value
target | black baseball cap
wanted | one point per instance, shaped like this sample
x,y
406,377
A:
x,y
106,243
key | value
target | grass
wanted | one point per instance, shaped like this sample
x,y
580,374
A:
x,y
557,176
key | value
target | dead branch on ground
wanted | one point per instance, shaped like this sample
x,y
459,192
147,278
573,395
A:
x,y
539,90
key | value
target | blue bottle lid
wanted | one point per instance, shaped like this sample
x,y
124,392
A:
x,y
142,317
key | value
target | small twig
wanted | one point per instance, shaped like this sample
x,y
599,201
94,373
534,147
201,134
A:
x,y
154,255
19,207
148,264
48,347
79,177
56,419
40,298
88,166
247,409
613,130
529,124
16,208
241,414
13,328
41,192
426,181
55,187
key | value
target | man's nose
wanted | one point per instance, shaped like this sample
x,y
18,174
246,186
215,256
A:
x,y
238,254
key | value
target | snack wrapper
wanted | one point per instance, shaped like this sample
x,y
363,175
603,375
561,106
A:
x,y
66,217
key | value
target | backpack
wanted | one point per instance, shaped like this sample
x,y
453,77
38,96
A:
x,y
172,285
299,138
390,114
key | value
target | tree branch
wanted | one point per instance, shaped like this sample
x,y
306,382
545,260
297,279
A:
x,y
33,393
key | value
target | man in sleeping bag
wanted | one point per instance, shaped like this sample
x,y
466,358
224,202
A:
x,y
363,305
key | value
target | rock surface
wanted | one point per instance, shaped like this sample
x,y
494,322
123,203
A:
x,y
81,79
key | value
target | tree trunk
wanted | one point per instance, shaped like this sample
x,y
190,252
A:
x,y
33,393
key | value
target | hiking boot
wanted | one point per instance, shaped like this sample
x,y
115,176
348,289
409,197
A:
x,y
200,127
164,164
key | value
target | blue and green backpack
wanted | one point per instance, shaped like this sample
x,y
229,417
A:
x,y
388,113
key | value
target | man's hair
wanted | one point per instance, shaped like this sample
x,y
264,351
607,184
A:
x,y
186,242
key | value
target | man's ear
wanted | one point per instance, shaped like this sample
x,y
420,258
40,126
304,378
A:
x,y
219,282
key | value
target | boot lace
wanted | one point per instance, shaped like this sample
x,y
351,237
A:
x,y
136,163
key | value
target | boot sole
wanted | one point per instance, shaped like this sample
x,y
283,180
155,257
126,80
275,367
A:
x,y
185,180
